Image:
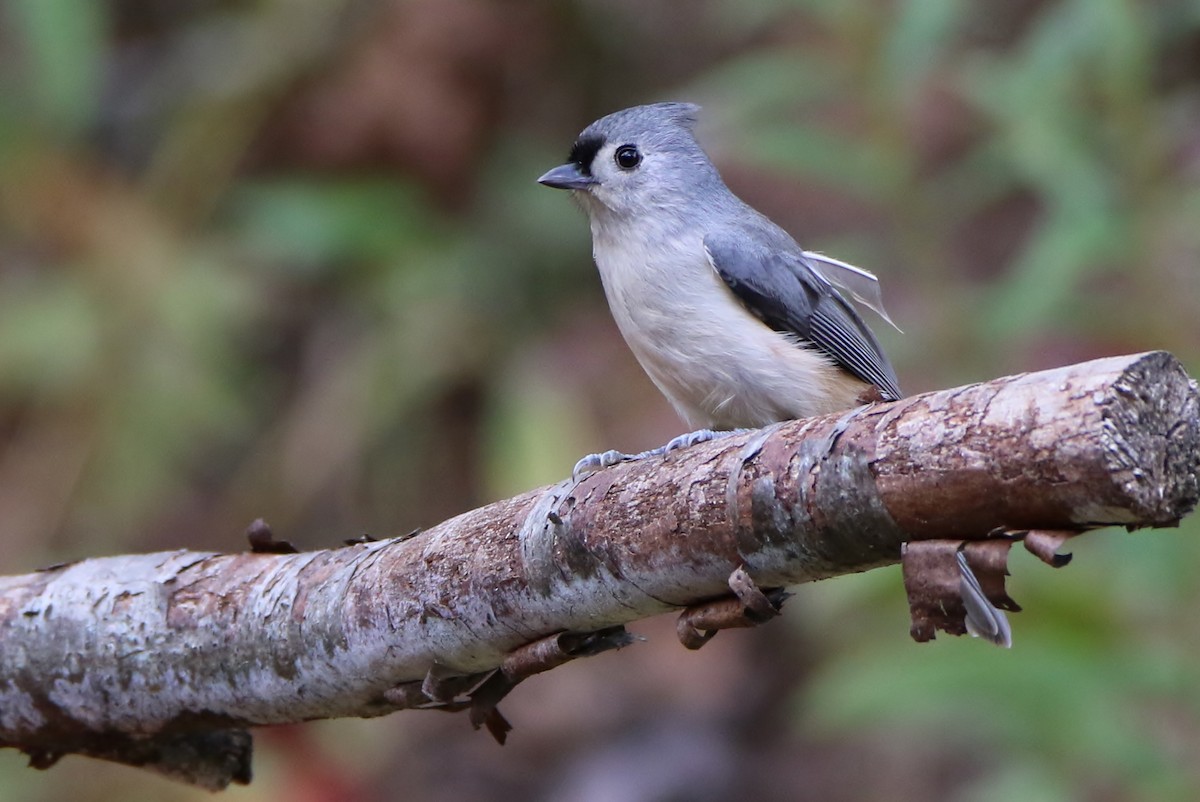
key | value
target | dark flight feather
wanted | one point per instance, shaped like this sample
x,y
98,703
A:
x,y
787,294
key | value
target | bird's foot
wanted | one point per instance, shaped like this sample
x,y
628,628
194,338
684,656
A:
x,y
594,462
691,439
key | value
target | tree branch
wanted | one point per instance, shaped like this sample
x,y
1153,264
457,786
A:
x,y
161,660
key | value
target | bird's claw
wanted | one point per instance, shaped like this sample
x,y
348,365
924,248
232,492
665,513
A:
x,y
691,439
595,462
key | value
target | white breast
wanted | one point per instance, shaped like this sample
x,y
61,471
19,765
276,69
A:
x,y
719,366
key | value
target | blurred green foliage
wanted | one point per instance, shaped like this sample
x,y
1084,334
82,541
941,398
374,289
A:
x,y
288,259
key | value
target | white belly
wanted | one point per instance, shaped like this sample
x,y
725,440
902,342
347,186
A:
x,y
719,366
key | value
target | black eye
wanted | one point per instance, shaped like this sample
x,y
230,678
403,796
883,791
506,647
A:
x,y
627,157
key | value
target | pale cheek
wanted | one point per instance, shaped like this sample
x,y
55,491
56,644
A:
x,y
604,192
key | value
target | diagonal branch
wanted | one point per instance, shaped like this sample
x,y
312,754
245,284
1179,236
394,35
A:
x,y
162,659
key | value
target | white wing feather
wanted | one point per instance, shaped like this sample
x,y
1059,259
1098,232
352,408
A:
x,y
862,285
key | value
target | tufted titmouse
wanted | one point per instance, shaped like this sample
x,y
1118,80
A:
x,y
734,322
737,324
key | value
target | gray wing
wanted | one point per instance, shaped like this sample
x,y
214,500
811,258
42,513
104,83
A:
x,y
783,291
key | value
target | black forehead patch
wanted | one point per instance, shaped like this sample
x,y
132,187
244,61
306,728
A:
x,y
584,150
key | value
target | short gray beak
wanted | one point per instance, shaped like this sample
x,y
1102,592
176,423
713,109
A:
x,y
567,176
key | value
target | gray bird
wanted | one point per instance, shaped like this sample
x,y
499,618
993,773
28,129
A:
x,y
735,323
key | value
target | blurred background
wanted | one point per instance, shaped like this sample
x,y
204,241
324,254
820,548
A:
x,y
288,259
